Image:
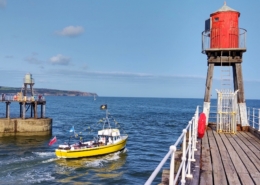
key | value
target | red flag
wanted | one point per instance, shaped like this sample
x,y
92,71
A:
x,y
53,141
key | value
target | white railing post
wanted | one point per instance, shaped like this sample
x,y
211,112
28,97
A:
x,y
248,115
253,117
196,126
259,120
173,149
189,175
183,157
193,139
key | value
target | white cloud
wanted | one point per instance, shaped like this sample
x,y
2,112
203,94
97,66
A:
x,y
71,31
2,3
60,60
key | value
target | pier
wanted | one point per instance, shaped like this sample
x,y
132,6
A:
x,y
25,124
217,158
221,147
229,158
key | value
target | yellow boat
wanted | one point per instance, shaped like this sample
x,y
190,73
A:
x,y
109,140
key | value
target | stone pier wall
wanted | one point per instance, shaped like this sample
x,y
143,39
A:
x,y
42,126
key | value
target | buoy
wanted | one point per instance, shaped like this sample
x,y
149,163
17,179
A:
x,y
201,125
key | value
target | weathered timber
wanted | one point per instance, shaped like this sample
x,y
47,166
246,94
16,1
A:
x,y
235,157
165,177
224,60
218,169
229,168
232,158
209,83
253,140
195,166
250,150
255,132
166,172
206,166
238,82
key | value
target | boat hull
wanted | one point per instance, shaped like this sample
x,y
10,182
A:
x,y
95,151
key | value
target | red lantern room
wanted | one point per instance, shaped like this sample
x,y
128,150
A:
x,y
224,28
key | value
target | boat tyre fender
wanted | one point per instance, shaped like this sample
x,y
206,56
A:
x,y
201,125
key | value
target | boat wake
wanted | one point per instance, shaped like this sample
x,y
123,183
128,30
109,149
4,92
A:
x,y
44,154
100,162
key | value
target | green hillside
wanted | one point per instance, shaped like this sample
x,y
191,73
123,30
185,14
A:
x,y
46,92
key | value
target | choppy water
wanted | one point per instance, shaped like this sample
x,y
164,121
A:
x,y
153,124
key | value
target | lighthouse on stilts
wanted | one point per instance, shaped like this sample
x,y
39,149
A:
x,y
224,44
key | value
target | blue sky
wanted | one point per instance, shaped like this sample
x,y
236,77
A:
x,y
124,48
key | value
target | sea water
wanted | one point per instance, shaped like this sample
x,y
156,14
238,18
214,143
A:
x,y
152,124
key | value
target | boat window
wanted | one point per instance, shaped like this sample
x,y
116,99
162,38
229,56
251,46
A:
x,y
216,19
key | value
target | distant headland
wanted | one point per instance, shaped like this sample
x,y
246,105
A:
x,y
46,92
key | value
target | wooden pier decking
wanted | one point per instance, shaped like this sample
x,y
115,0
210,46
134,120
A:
x,y
229,158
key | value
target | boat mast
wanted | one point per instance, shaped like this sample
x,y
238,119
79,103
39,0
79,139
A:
x,y
107,120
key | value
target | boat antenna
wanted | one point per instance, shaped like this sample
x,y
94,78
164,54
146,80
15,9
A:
x,y
107,119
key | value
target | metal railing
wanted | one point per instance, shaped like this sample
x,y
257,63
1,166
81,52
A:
x,y
23,98
206,39
187,154
253,116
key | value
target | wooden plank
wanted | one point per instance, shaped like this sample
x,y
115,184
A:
x,y
218,168
231,173
256,178
249,134
254,166
225,59
250,145
252,140
246,179
255,132
205,155
206,167
206,178
238,164
248,165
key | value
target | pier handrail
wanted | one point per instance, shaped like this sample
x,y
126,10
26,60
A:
x,y
253,117
187,153
12,98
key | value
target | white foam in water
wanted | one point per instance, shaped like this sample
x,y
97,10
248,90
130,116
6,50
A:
x,y
95,163
17,160
27,178
38,176
50,160
100,162
113,157
44,154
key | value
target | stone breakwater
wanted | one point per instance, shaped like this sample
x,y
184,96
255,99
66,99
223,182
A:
x,y
18,126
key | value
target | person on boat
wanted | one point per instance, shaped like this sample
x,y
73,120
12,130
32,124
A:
x,y
110,140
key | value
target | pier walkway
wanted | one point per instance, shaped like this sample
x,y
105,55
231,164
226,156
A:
x,y
229,158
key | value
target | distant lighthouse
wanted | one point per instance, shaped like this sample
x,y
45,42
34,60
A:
x,y
224,44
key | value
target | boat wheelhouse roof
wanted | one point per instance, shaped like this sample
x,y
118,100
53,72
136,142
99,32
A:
x,y
109,132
